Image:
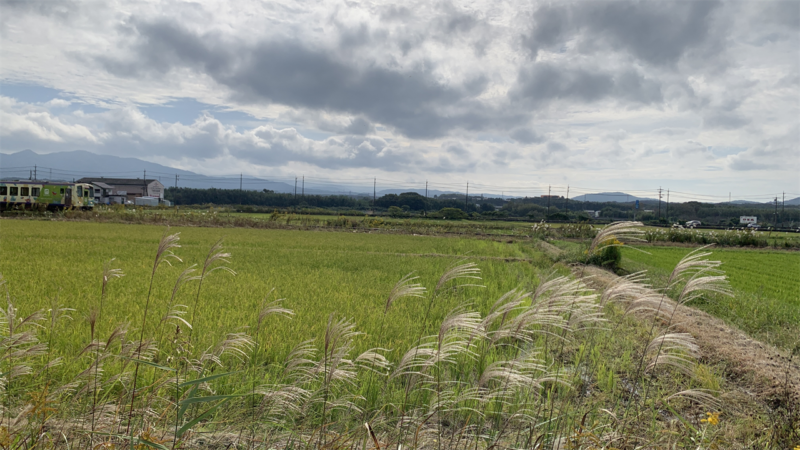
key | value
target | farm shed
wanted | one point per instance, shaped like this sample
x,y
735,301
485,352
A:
x,y
127,189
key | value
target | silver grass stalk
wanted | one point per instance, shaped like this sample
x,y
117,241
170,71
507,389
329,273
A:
x,y
625,289
678,350
467,270
651,304
174,311
215,255
701,283
404,288
109,273
374,361
334,365
703,397
692,263
621,231
509,302
164,253
300,364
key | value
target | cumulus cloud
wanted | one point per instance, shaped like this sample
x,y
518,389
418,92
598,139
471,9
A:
x,y
127,131
483,89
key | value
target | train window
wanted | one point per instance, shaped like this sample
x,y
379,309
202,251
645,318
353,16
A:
x,y
35,192
79,191
3,190
62,191
14,190
25,191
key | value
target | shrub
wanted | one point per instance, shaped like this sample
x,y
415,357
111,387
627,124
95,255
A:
x,y
609,256
452,214
394,211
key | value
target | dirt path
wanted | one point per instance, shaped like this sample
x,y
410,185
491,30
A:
x,y
761,369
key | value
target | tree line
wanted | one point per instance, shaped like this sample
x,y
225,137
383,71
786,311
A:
x,y
532,208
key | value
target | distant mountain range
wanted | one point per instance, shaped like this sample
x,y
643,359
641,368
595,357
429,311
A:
x,y
79,163
604,197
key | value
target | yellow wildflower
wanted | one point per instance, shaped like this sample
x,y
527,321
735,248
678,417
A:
x,y
713,419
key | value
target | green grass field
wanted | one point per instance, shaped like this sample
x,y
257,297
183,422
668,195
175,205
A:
x,y
766,284
538,371
318,272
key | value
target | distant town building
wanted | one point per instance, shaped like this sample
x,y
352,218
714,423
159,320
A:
x,y
123,190
748,219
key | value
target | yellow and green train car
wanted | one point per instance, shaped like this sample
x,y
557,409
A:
x,y
52,196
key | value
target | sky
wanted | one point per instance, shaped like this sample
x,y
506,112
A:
x,y
701,97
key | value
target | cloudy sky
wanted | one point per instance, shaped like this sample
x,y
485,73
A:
x,y
701,97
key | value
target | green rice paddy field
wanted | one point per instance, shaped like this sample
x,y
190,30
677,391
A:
x,y
317,272
766,284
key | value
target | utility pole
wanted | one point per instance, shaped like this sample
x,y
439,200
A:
x,y
425,205
34,173
51,173
374,191
548,199
667,204
659,202
303,189
776,211
783,204
466,199
566,199
295,188
176,181
145,183
30,174
240,181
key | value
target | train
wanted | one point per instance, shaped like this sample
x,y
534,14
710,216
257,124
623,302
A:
x,y
41,195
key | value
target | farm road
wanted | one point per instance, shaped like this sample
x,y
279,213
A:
x,y
761,368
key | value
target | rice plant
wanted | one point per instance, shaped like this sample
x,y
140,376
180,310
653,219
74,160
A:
x,y
539,367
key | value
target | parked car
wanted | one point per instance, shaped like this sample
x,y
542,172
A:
x,y
693,223
753,225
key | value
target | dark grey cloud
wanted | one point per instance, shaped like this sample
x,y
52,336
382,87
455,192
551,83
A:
x,y
359,126
784,13
456,150
414,102
279,147
658,33
526,136
747,164
728,120
393,13
540,83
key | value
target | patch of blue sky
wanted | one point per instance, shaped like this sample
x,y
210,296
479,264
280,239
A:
x,y
33,94
187,110
314,135
29,93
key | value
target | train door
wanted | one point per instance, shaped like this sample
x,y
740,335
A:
x,y
68,196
